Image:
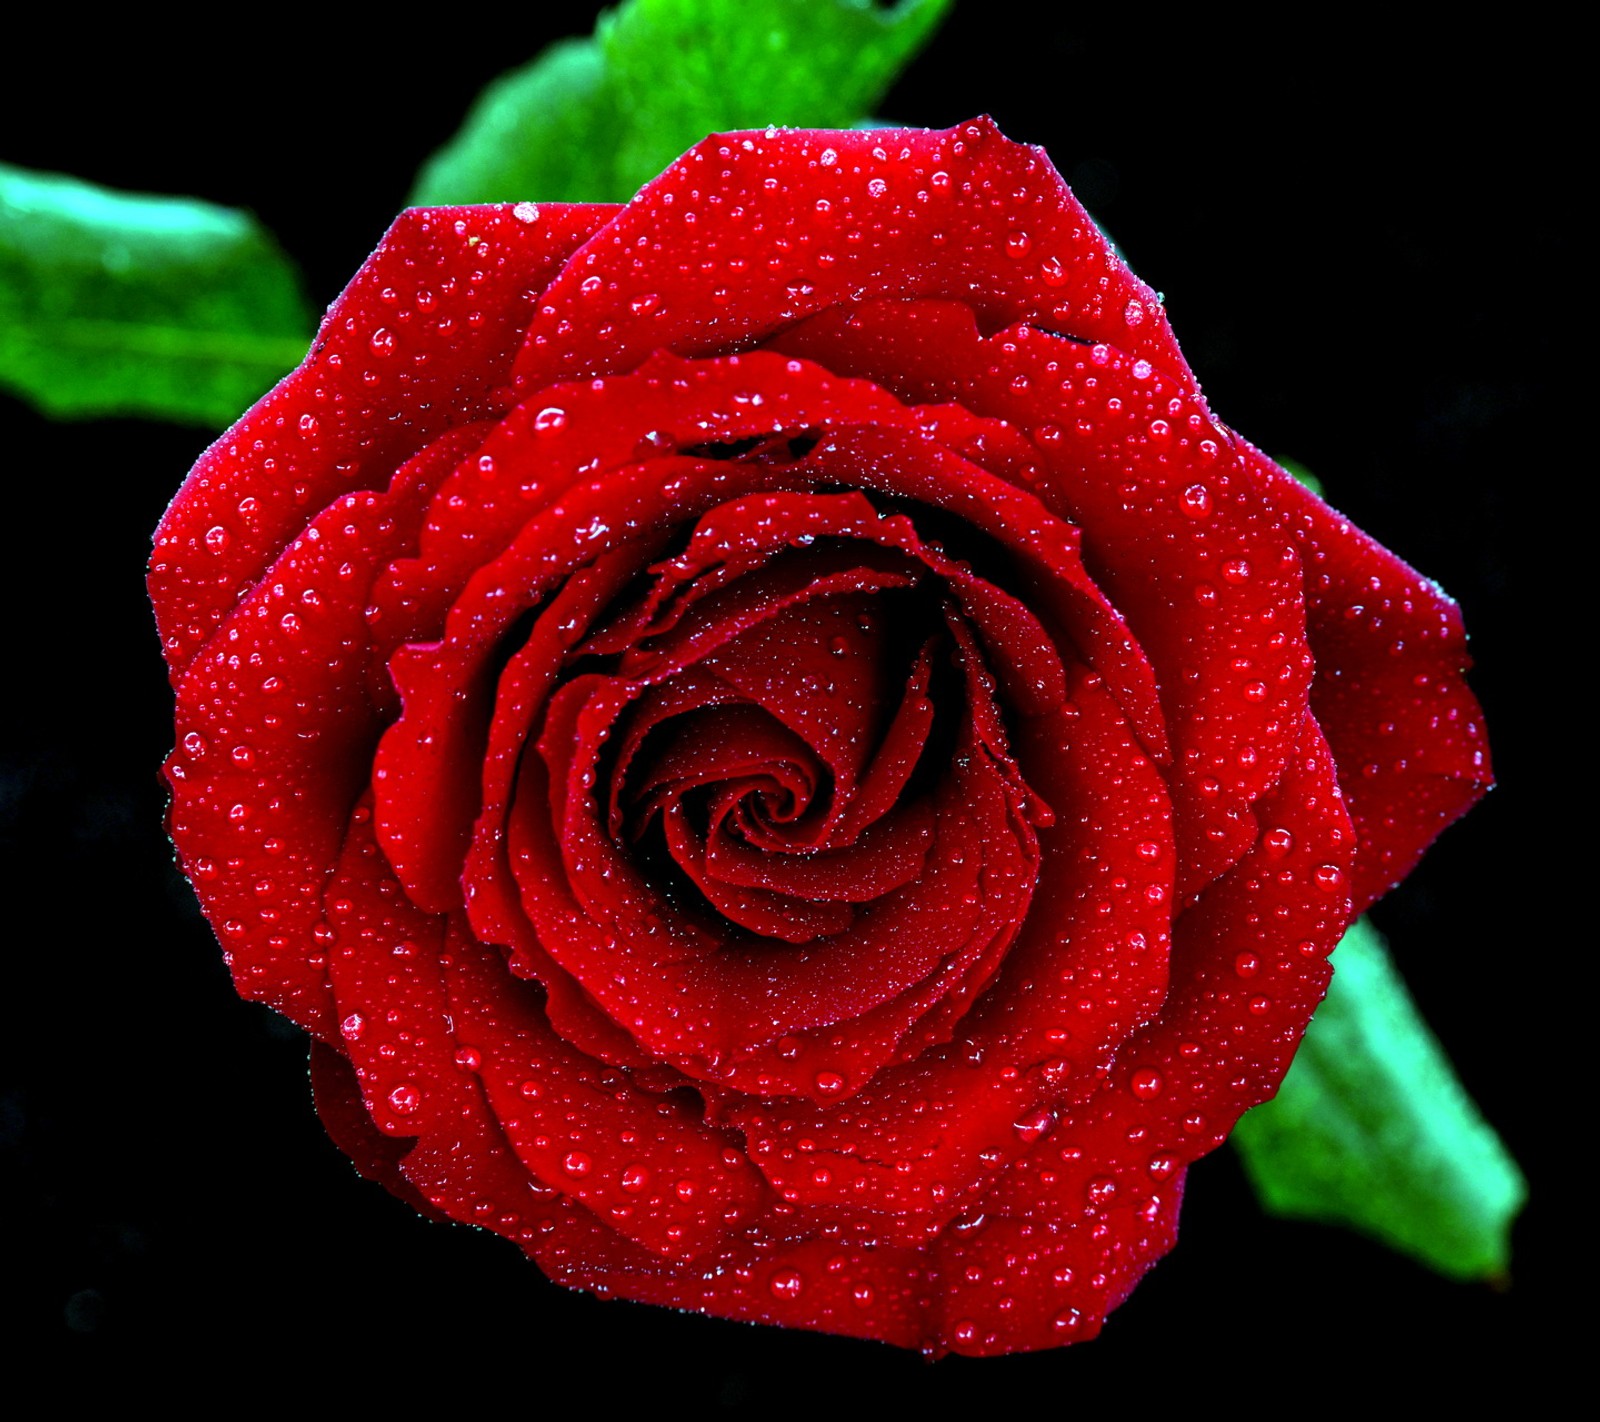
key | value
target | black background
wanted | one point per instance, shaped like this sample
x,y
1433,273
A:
x,y
1365,242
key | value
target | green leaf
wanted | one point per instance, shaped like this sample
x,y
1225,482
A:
x,y
550,130
594,119
1371,1129
124,304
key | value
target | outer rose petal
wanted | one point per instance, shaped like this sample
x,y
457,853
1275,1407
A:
x,y
1390,649
418,342
541,566
839,217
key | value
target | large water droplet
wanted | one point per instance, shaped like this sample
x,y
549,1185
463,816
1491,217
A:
x,y
1034,1125
1147,1083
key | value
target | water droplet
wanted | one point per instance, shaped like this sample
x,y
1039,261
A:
x,y
1247,965
1196,501
1133,312
217,538
549,419
1101,1191
352,1027
405,1098
526,212
1035,1124
634,1178
469,1058
382,342
1018,244
1066,1320
1147,1083
1329,878
829,1082
786,1284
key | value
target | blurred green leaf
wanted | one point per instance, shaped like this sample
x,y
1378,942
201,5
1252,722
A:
x,y
124,304
549,130
591,120
1371,1129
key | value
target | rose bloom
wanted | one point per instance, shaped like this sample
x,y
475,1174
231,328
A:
x,y
788,763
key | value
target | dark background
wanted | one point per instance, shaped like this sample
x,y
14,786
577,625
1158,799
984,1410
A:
x,y
1366,245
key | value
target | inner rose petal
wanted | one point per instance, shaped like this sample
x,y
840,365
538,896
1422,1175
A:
x,y
767,602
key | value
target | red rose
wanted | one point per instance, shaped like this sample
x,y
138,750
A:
x,y
788,763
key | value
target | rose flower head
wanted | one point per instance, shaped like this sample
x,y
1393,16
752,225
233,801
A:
x,y
787,762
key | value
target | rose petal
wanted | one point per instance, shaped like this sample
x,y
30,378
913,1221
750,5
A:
x,y
1090,964
840,217
419,341
1174,531
1388,691
277,720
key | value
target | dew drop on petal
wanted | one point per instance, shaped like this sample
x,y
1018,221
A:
x,y
1147,1083
1034,1125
